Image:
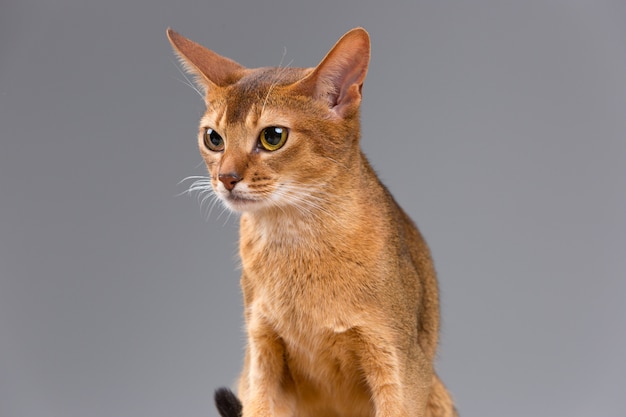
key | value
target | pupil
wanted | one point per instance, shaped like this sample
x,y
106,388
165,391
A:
x,y
216,140
273,135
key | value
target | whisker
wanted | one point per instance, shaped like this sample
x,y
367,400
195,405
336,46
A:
x,y
193,186
193,177
205,193
207,196
224,210
188,82
230,213
213,204
309,203
281,71
282,58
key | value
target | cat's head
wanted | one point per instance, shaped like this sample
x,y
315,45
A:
x,y
279,138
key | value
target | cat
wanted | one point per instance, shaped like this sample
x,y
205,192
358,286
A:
x,y
340,295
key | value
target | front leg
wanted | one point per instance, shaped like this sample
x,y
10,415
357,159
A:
x,y
261,386
399,376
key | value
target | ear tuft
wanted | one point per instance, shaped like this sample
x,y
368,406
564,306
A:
x,y
210,69
339,78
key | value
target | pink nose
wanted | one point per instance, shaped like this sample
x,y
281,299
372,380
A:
x,y
229,180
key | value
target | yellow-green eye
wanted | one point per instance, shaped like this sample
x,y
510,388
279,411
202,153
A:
x,y
213,140
273,138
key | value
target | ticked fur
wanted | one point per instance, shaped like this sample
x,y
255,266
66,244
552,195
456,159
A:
x,y
340,294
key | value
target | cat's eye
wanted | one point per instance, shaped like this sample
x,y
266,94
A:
x,y
213,140
273,138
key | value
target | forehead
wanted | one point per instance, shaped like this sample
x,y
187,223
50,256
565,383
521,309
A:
x,y
253,92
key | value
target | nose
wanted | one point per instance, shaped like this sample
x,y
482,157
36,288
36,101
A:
x,y
229,180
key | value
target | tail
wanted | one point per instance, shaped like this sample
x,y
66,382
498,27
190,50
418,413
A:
x,y
227,403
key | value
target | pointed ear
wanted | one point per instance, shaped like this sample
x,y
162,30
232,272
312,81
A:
x,y
210,69
338,79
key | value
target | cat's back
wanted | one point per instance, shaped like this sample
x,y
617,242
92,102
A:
x,y
415,271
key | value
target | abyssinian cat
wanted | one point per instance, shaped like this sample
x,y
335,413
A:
x,y
340,294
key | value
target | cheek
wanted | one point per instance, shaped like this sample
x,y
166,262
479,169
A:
x,y
212,164
302,164
298,151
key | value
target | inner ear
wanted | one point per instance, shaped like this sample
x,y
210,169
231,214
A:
x,y
338,79
210,68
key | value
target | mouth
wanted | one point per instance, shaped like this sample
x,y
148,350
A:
x,y
240,203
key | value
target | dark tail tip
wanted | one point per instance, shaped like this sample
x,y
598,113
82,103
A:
x,y
227,403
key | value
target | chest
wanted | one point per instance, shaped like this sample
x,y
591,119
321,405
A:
x,y
313,280
304,295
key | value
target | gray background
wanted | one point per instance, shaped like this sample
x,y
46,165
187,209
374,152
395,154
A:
x,y
499,126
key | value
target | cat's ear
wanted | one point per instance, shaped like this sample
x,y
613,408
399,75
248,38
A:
x,y
338,79
210,69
